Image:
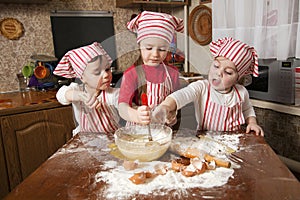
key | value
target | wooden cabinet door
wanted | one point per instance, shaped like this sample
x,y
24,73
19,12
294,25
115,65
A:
x,y
4,184
30,138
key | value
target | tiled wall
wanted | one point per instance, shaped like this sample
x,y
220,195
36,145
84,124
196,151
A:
x,y
282,132
37,38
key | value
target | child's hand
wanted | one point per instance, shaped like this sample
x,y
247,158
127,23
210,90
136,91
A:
x,y
172,118
162,115
143,114
90,100
159,115
73,94
255,128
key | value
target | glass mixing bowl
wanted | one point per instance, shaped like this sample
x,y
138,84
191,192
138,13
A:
x,y
133,142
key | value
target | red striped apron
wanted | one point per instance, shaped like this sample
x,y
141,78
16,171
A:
x,y
157,92
99,120
222,118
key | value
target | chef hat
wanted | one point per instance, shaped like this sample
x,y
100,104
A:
x,y
154,24
74,62
243,56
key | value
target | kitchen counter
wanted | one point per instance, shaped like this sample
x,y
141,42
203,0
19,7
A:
x,y
72,173
288,109
16,102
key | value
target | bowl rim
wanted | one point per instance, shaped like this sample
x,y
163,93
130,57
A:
x,y
164,127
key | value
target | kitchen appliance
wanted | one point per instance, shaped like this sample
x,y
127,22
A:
x,y
276,81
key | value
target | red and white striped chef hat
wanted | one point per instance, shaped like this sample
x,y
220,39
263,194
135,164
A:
x,y
243,56
154,24
74,62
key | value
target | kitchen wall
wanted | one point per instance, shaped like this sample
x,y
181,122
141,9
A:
x,y
200,57
37,38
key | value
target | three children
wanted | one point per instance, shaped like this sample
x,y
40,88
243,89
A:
x,y
221,104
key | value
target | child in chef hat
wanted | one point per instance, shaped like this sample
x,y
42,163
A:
x,y
94,101
154,33
221,104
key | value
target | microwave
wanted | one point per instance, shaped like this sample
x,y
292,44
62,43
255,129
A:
x,y
275,82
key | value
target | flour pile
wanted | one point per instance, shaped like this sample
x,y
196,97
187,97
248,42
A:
x,y
120,187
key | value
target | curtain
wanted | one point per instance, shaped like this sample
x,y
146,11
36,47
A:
x,y
271,26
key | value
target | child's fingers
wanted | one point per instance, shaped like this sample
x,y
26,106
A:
x,y
143,109
159,115
144,114
256,129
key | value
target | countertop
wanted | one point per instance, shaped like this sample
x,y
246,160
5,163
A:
x,y
73,173
288,109
17,102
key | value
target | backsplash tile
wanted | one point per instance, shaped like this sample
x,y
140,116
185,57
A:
x,y
282,132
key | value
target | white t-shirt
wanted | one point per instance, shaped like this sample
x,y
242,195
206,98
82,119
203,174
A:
x,y
197,92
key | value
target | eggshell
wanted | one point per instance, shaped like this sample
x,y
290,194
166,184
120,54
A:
x,y
138,178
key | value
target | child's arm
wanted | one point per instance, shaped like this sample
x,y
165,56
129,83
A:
x,y
73,94
65,94
68,94
165,112
253,126
140,115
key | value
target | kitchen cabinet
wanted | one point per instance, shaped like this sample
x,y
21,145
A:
x,y
151,3
31,133
4,185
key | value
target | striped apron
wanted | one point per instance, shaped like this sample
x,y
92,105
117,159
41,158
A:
x,y
222,118
99,120
157,92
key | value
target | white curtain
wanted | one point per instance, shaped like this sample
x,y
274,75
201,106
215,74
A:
x,y
271,26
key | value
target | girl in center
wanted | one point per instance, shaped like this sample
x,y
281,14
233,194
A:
x,y
155,32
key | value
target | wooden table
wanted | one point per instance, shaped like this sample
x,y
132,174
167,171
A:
x,y
70,174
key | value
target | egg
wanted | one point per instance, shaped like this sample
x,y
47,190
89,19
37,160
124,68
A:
x,y
130,165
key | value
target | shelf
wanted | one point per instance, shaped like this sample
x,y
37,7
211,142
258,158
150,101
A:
x,y
136,3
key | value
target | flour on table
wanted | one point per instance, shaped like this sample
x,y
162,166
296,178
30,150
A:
x,y
120,186
215,145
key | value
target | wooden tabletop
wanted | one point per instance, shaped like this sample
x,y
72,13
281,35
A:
x,y
70,173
